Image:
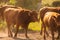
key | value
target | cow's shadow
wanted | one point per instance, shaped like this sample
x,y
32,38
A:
x,y
12,38
22,31
22,39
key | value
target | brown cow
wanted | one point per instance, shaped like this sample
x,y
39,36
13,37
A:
x,y
20,17
47,9
52,21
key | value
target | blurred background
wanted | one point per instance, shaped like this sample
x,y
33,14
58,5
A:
x,y
31,5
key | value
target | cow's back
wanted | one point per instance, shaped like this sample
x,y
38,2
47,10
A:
x,y
23,17
48,9
10,14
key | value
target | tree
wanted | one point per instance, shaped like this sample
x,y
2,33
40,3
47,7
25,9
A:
x,y
56,3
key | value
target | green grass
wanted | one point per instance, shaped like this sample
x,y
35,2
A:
x,y
35,26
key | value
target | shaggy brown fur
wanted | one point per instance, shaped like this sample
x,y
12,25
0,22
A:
x,y
52,21
47,9
20,17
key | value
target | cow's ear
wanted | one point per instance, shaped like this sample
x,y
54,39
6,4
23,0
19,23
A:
x,y
53,17
34,12
28,12
58,17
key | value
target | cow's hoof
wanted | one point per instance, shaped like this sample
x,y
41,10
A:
x,y
47,34
15,36
10,36
27,37
57,38
40,33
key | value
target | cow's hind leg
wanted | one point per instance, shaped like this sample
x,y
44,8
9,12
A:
x,y
17,28
44,32
42,26
58,34
52,32
9,30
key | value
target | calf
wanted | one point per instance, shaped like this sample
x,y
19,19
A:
x,y
19,17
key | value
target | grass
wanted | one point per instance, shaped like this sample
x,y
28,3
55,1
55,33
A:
x,y
35,26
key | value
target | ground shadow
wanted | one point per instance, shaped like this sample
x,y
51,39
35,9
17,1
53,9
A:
x,y
22,39
12,38
22,31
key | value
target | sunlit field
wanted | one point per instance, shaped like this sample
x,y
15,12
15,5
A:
x,y
35,26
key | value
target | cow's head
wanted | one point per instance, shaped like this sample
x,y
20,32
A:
x,y
34,16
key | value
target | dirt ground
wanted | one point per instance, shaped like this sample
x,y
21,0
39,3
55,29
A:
x,y
33,35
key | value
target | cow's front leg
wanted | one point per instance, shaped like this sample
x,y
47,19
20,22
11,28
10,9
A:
x,y
25,29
